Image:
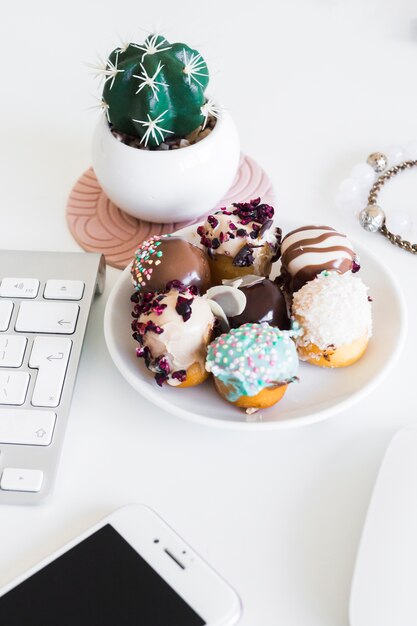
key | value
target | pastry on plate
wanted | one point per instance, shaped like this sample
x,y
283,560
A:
x,y
165,258
264,303
240,239
174,329
252,365
335,318
309,250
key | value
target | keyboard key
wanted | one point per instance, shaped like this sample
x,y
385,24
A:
x,y
13,387
50,355
19,288
47,317
26,426
64,290
12,350
6,309
42,326
15,479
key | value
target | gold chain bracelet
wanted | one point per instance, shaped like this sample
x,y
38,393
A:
x,y
372,218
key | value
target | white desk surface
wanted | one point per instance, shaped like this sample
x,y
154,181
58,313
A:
x,y
314,88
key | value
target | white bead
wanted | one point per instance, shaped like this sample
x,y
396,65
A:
x,y
349,187
364,174
411,150
399,222
395,154
349,207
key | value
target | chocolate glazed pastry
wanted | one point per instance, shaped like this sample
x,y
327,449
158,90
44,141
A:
x,y
160,260
308,251
264,303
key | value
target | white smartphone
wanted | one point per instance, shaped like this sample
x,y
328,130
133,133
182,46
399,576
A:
x,y
130,569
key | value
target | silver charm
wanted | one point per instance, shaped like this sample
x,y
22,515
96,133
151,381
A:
x,y
372,218
377,161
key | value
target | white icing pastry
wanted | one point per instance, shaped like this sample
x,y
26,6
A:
x,y
332,310
181,342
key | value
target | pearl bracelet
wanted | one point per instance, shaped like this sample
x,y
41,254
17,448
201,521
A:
x,y
354,192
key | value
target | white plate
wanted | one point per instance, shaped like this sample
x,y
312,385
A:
x,y
320,392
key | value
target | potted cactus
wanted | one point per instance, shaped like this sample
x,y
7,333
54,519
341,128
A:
x,y
154,100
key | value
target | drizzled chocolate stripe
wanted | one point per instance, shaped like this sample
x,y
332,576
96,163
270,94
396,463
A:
x,y
305,256
293,253
311,241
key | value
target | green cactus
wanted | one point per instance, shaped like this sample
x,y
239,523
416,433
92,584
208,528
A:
x,y
155,90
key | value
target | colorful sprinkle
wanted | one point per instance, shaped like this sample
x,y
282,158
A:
x,y
251,358
141,267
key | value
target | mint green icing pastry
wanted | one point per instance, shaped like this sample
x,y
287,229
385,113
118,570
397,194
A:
x,y
252,357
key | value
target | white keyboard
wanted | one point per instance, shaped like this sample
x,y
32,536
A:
x,y
45,300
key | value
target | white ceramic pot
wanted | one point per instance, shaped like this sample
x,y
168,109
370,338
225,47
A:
x,y
167,185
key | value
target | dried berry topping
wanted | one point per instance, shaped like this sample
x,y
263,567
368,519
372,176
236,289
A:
x,y
160,378
140,328
232,226
265,226
201,231
215,243
144,353
183,307
180,375
253,211
241,232
205,241
370,299
177,285
163,365
158,308
355,267
151,327
212,221
244,257
144,304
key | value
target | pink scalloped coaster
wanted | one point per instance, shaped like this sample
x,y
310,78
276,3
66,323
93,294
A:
x,y
98,225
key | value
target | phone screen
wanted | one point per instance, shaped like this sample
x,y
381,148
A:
x,y
102,581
